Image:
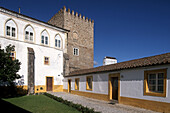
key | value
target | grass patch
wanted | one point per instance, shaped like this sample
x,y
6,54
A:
x,y
40,104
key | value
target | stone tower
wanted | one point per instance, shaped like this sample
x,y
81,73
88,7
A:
x,y
80,42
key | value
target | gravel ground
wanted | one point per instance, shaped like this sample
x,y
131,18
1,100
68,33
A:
x,y
99,105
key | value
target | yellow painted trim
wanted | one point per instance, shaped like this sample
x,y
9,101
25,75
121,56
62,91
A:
x,y
61,41
65,90
89,94
44,37
146,89
77,85
48,60
22,86
110,86
5,29
52,82
87,86
58,88
147,104
69,90
34,40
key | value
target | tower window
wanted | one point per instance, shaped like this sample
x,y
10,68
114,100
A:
x,y
76,51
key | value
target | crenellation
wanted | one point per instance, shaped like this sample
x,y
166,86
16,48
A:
x,y
64,8
86,19
76,14
92,21
80,16
68,10
72,12
83,17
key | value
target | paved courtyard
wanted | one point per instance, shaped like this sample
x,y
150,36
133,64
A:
x,y
99,105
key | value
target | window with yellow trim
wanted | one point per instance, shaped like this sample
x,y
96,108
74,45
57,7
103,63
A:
x,y
89,82
77,83
13,55
46,60
155,82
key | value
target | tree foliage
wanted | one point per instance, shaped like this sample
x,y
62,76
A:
x,y
8,66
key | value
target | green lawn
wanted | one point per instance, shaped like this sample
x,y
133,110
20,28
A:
x,y
36,104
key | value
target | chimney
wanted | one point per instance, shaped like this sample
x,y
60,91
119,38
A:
x,y
109,60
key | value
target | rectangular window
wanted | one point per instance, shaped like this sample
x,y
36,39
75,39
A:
x,y
46,40
59,43
46,60
76,51
89,81
31,36
77,84
42,39
26,35
8,30
155,82
12,55
13,32
56,42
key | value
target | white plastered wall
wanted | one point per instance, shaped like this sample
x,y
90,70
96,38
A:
x,y
131,84
55,68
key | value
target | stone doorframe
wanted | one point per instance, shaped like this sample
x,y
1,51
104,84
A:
x,y
31,76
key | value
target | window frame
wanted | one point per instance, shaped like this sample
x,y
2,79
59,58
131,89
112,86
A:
x,y
77,85
146,86
58,41
12,34
45,60
8,31
87,85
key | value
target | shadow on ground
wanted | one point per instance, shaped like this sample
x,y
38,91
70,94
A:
x,y
7,107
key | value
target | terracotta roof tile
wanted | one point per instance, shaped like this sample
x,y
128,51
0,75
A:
x,y
147,61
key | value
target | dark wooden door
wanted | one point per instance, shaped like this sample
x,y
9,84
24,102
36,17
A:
x,y
49,84
114,81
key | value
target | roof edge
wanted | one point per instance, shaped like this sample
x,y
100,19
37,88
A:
x,y
61,29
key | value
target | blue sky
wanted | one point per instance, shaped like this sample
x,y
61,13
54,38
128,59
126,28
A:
x,y
125,29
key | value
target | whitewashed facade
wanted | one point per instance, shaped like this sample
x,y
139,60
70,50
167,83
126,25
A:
x,y
26,32
133,86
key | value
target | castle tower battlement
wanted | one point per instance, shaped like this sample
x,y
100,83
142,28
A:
x,y
81,37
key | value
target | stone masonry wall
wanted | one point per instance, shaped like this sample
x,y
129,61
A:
x,y
81,36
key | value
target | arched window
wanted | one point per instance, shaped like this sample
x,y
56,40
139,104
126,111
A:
x,y
29,33
58,42
11,28
44,37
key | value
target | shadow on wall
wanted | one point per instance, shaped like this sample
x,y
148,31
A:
x,y
12,91
10,108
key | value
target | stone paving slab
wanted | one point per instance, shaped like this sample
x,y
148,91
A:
x,y
99,105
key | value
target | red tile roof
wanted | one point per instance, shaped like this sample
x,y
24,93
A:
x,y
142,62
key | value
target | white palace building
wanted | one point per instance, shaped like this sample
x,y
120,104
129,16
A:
x,y
41,48
46,41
